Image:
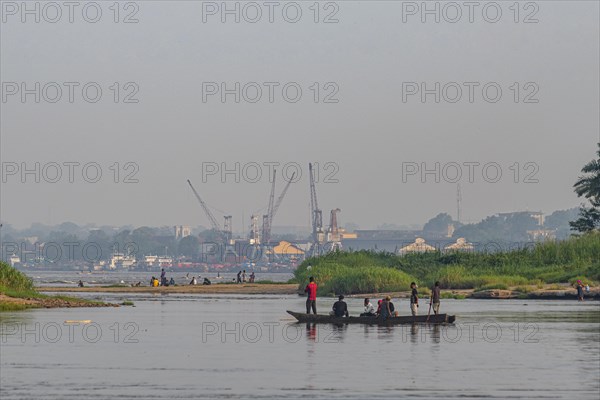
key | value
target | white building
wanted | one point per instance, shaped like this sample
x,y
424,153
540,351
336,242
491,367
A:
x,y
460,245
182,231
14,260
120,260
419,246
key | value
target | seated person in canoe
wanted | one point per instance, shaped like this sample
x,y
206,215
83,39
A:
x,y
369,309
340,308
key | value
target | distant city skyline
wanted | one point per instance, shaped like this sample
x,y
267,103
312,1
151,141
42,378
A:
x,y
277,229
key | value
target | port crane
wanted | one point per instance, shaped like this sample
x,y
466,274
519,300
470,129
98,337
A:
x,y
266,221
273,207
224,233
318,237
261,243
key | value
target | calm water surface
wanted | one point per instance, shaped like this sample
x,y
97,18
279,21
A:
x,y
193,346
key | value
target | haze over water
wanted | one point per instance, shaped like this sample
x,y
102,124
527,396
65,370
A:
x,y
189,346
384,112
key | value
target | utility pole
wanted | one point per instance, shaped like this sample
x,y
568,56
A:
x,y
1,248
458,203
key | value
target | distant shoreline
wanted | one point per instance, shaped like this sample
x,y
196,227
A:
x,y
547,293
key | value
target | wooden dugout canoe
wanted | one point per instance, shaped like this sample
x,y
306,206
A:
x,y
409,319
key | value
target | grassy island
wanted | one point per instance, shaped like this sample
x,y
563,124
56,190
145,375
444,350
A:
x,y
560,262
17,293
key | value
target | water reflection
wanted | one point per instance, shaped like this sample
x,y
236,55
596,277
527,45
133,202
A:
x,y
338,332
385,333
414,333
436,333
311,332
14,317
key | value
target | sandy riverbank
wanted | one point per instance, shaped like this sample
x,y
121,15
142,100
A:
x,y
248,288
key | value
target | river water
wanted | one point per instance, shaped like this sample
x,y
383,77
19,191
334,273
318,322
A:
x,y
179,346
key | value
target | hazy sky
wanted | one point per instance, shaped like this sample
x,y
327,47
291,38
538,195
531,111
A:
x,y
369,61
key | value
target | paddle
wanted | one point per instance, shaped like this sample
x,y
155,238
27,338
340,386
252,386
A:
x,y
429,312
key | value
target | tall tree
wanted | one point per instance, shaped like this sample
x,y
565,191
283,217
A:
x,y
189,246
438,225
559,220
588,186
98,245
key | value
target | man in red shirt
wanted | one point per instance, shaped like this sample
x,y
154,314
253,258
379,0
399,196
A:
x,y
311,301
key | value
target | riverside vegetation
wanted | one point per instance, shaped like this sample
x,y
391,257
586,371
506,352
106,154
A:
x,y
17,293
552,262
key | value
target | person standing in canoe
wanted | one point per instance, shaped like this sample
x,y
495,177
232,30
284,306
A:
x,y
435,298
311,300
414,299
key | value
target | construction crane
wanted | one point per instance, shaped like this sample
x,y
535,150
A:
x,y
280,199
266,222
226,233
273,207
254,234
211,217
316,216
228,228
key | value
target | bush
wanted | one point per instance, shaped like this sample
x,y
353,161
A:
x,y
523,289
489,286
14,280
334,278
